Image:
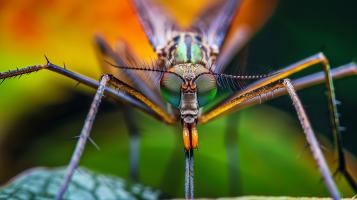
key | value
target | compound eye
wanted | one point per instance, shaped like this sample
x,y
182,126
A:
x,y
170,88
206,89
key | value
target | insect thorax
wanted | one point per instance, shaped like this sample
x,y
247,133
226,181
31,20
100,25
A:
x,y
187,47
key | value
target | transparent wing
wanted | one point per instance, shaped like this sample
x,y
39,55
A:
x,y
144,81
157,24
251,17
215,21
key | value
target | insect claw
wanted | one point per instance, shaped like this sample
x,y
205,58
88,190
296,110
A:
x,y
64,65
260,99
342,128
75,137
337,174
93,143
47,60
323,148
337,102
77,84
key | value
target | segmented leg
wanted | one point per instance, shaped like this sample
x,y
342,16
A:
x,y
299,84
87,127
105,80
308,81
236,99
134,138
123,93
312,141
314,146
77,77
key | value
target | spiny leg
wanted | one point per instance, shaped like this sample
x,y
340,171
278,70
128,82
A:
x,y
324,170
319,58
299,84
87,127
234,100
89,121
335,123
134,137
317,78
122,93
308,81
312,141
90,118
118,96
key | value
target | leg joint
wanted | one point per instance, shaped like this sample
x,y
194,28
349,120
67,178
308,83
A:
x,y
323,58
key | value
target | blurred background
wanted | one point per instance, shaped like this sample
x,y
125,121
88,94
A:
x,y
41,113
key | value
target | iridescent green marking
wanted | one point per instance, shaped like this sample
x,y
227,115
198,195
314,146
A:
x,y
181,51
188,50
196,54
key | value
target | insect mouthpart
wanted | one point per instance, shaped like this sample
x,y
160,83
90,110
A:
x,y
190,136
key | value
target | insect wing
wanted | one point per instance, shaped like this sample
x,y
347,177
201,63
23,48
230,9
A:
x,y
215,21
157,24
251,17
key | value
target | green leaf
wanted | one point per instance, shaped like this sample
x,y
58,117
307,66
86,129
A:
x,y
43,183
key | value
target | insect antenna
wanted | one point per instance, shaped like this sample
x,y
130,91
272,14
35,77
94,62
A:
x,y
234,82
148,69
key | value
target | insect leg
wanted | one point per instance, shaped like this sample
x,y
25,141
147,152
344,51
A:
x,y
283,73
302,83
350,69
90,118
87,127
306,125
118,96
233,103
124,93
312,141
335,122
162,114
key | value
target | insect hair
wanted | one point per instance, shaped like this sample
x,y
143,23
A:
x,y
150,69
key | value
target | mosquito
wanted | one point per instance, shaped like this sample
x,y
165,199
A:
x,y
188,72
